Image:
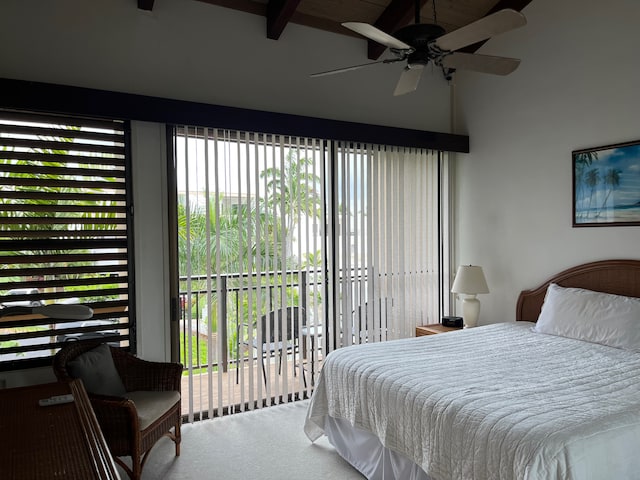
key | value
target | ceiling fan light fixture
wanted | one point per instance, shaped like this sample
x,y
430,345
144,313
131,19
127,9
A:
x,y
418,59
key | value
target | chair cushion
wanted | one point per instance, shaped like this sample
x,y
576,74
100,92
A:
x,y
97,371
152,405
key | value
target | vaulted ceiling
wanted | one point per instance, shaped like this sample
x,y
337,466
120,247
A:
x,y
387,15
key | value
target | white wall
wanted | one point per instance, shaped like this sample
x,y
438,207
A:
x,y
575,88
151,240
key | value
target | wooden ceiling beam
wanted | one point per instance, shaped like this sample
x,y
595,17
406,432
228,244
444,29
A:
x,y
145,4
279,12
398,13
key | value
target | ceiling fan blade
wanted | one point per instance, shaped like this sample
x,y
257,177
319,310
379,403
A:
x,y
409,79
481,63
487,27
355,67
376,35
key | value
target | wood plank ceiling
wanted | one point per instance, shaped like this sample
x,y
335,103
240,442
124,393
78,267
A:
x,y
387,15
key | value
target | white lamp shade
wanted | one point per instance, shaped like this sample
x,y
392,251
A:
x,y
470,280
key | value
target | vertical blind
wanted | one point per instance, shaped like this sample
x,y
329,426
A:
x,y
290,247
388,250
251,243
64,232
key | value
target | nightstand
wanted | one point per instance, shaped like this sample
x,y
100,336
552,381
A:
x,y
434,329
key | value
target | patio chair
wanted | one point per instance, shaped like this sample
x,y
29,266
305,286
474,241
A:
x,y
136,402
289,322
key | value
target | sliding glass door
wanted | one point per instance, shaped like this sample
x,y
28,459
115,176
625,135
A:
x,y
387,241
288,248
251,216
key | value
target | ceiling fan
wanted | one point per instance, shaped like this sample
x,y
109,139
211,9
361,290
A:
x,y
422,43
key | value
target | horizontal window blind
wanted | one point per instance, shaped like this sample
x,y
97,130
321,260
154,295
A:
x,y
64,232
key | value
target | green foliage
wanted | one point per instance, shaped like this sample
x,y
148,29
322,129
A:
x,y
293,191
222,239
199,351
9,344
32,211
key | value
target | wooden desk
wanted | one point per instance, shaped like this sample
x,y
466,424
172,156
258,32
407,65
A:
x,y
58,441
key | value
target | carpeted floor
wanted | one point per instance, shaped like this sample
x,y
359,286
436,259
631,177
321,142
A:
x,y
267,444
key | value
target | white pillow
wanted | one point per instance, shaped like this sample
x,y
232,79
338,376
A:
x,y
596,317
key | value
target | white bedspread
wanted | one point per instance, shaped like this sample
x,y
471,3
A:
x,y
494,402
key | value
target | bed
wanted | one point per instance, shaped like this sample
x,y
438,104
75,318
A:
x,y
554,395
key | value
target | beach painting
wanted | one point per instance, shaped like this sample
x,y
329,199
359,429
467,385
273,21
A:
x,y
606,185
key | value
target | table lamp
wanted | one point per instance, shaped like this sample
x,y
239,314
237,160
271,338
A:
x,y
470,281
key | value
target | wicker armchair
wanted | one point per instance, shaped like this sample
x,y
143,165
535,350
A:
x,y
126,432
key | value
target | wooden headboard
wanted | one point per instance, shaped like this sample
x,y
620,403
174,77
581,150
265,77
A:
x,y
620,277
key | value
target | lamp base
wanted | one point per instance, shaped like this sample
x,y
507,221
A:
x,y
470,311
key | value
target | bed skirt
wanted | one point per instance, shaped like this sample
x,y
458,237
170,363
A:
x,y
366,454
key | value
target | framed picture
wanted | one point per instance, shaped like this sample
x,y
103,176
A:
x,y
606,185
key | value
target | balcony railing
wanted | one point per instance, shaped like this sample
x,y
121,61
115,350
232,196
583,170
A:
x,y
237,301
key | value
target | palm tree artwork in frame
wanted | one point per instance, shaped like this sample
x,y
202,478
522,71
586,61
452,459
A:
x,y
606,185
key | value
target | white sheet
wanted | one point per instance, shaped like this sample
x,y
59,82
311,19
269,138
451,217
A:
x,y
494,402
364,451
